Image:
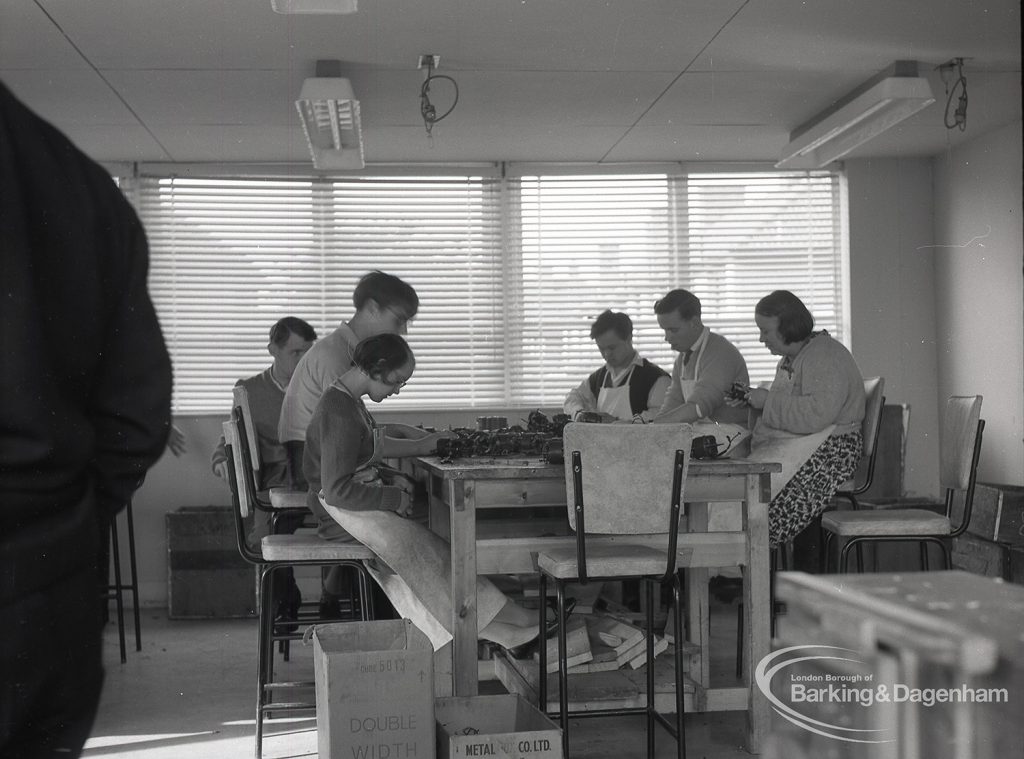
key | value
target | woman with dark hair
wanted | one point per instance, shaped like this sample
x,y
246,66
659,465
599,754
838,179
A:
x,y
810,418
350,488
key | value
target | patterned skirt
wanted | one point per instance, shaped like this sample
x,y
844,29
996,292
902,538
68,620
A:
x,y
815,483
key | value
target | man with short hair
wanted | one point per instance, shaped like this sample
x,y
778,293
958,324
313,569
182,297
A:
x,y
628,386
706,368
384,303
290,339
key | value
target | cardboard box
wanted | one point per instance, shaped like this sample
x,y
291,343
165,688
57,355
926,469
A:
x,y
374,690
504,726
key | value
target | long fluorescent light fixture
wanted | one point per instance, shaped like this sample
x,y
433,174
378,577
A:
x,y
313,6
878,104
329,113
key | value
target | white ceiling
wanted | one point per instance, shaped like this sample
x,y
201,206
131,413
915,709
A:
x,y
539,80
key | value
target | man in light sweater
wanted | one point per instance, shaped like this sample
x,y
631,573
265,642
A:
x,y
384,304
706,368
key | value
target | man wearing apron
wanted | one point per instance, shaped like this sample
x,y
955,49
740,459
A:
x,y
627,387
707,365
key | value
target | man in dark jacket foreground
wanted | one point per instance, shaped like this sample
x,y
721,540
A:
x,y
85,386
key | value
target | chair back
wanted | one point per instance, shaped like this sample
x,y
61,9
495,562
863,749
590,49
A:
x,y
241,398
629,477
874,402
233,438
959,452
240,495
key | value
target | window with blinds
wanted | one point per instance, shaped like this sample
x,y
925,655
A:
x,y
510,271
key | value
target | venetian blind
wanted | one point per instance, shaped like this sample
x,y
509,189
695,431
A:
x,y
510,272
587,243
231,257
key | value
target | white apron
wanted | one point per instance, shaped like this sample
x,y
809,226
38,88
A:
x,y
688,386
787,448
414,564
615,400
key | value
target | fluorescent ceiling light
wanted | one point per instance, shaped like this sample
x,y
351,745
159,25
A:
x,y
865,113
329,113
314,6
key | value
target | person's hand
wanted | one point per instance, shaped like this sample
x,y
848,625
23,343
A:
x,y
429,440
757,397
221,470
176,443
405,504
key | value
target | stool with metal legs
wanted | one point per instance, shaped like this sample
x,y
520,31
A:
x,y
116,590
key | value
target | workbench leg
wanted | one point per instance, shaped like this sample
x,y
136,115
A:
x,y
757,603
465,672
697,610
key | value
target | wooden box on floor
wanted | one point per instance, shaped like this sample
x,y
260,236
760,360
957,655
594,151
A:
x,y
979,556
922,665
206,576
997,513
374,690
504,726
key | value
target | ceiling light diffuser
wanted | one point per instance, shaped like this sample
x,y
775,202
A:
x,y
877,105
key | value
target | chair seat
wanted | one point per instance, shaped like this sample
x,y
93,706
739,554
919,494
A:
x,y
609,560
286,498
306,547
908,522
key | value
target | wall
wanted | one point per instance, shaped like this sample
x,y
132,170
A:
x,y
892,301
980,289
893,335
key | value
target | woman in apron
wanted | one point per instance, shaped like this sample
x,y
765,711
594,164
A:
x,y
810,418
374,504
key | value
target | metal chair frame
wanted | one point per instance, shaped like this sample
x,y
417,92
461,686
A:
x,y
671,576
942,540
242,497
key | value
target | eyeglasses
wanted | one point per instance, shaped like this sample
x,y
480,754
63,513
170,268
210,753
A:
x,y
395,385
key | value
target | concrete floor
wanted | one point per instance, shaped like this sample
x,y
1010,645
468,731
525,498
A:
x,y
190,693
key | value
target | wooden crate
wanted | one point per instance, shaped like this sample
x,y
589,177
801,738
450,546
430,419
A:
x,y
206,575
997,514
941,633
979,556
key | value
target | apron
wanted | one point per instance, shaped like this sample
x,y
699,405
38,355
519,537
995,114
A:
x,y
615,400
787,448
688,386
413,565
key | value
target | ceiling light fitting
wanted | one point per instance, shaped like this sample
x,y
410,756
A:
x,y
329,113
313,6
880,103
427,109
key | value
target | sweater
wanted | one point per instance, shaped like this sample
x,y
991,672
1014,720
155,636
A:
x,y
265,399
821,385
339,442
324,362
717,367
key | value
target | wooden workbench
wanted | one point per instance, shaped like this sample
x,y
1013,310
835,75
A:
x,y
458,490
